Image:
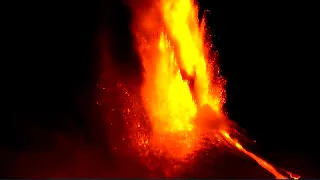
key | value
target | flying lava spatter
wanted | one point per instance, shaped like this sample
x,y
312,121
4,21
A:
x,y
182,93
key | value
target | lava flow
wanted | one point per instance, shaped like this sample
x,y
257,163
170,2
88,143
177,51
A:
x,y
182,93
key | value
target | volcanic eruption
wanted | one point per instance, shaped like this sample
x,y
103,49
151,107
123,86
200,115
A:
x,y
179,104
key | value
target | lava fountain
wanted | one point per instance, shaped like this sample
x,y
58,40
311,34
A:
x,y
182,93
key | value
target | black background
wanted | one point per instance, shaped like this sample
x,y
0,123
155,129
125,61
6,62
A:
x,y
50,71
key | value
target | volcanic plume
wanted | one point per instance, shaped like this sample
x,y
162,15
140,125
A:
x,y
179,106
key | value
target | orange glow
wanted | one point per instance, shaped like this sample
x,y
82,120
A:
x,y
177,77
181,22
167,97
260,161
181,92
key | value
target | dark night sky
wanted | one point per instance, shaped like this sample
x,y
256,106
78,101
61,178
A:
x,y
268,55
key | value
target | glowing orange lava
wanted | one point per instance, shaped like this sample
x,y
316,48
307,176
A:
x,y
181,92
177,75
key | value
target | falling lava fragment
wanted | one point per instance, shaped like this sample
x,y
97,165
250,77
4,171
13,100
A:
x,y
182,92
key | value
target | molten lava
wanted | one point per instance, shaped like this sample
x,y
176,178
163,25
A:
x,y
177,77
182,93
